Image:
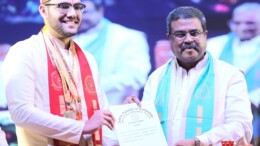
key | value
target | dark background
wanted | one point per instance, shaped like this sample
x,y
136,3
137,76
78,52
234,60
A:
x,y
19,20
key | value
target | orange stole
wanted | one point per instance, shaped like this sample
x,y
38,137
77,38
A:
x,y
90,95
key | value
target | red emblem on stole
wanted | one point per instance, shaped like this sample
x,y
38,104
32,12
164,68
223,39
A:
x,y
90,85
56,81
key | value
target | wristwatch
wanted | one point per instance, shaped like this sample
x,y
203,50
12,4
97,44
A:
x,y
197,142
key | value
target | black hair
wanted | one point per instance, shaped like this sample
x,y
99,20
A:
x,y
184,13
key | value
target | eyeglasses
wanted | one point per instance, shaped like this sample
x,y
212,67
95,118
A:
x,y
65,7
181,35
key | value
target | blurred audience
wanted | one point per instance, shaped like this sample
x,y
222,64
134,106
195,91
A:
x,y
6,123
4,48
13,11
241,47
3,141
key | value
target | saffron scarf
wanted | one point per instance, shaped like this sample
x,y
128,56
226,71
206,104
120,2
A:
x,y
200,111
56,93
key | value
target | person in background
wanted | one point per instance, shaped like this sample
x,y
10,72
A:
x,y
3,105
122,54
5,118
52,87
200,101
241,48
4,48
3,141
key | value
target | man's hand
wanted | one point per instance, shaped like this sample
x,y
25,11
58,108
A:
x,y
186,142
98,119
132,99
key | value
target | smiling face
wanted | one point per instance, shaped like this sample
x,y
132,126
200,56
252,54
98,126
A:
x,y
61,24
190,49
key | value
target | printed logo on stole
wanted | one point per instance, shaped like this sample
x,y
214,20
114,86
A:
x,y
90,85
56,81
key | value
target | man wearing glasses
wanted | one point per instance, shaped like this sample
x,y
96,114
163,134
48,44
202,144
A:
x,y
200,101
53,88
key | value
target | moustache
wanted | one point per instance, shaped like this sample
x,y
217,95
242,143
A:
x,y
189,46
70,19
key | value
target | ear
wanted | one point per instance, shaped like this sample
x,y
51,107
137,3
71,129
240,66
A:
x,y
206,32
42,11
168,36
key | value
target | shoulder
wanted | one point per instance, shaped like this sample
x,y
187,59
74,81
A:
x,y
29,42
25,47
157,74
25,55
226,70
224,65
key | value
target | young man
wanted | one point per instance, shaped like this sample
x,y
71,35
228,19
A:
x,y
200,101
53,89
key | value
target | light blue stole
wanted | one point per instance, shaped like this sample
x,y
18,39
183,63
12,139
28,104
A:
x,y
253,74
202,96
227,53
96,47
162,98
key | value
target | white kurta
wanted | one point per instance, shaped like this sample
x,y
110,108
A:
x,y
232,114
3,102
125,62
246,54
26,85
3,141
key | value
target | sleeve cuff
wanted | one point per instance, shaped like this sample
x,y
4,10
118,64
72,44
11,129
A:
x,y
203,140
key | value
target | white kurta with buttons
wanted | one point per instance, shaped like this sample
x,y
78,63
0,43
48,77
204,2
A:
x,y
232,118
